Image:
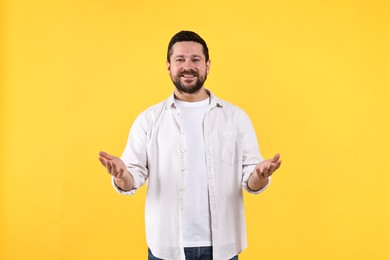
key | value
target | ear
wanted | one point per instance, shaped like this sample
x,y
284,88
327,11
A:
x,y
168,67
208,63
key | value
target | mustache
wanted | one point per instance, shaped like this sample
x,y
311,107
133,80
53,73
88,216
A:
x,y
188,72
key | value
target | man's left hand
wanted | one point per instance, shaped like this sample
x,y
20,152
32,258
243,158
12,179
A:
x,y
262,171
267,167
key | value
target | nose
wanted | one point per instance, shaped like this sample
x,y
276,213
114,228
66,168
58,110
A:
x,y
187,65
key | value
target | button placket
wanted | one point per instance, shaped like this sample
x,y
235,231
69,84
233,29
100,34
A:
x,y
210,178
181,176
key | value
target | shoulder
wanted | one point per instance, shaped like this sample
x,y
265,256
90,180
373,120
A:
x,y
154,109
150,115
232,116
231,109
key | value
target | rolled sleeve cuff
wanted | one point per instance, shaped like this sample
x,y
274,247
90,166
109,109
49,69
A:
x,y
248,172
258,191
123,192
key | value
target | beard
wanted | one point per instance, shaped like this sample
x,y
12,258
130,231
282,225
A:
x,y
189,89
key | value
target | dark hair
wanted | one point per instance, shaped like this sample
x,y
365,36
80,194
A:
x,y
187,36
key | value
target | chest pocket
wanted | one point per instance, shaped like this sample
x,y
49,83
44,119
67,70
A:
x,y
228,146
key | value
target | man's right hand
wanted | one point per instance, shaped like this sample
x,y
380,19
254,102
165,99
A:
x,y
117,168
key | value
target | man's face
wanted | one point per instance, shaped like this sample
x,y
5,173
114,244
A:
x,y
188,67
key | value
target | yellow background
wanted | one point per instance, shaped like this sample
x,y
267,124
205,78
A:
x,y
312,75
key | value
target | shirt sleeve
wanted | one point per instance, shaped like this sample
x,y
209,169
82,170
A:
x,y
251,153
135,155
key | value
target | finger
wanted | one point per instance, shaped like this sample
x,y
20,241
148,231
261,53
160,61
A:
x,y
109,167
103,161
267,170
271,169
276,158
259,172
106,155
120,173
114,170
275,167
278,165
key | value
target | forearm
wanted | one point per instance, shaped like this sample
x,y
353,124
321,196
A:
x,y
256,183
126,182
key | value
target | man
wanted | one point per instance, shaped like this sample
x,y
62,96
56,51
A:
x,y
198,152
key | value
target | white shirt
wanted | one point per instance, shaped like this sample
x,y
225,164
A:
x,y
196,213
156,151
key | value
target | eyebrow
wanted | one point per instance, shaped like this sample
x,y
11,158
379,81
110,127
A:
x,y
192,56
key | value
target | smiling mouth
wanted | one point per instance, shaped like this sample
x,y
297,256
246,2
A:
x,y
188,76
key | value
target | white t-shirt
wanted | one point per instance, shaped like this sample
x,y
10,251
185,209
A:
x,y
196,215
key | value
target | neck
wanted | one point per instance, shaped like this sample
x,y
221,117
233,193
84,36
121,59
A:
x,y
193,97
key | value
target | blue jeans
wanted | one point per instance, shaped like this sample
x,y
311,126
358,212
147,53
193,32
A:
x,y
193,253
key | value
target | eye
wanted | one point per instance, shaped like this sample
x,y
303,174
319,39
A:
x,y
196,60
179,60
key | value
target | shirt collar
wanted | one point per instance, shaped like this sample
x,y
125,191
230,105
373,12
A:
x,y
214,101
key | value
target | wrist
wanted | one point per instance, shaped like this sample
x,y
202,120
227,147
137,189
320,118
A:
x,y
256,182
123,184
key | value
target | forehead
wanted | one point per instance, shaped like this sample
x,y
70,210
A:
x,y
187,49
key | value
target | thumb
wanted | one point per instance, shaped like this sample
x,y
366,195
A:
x,y
276,158
106,155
